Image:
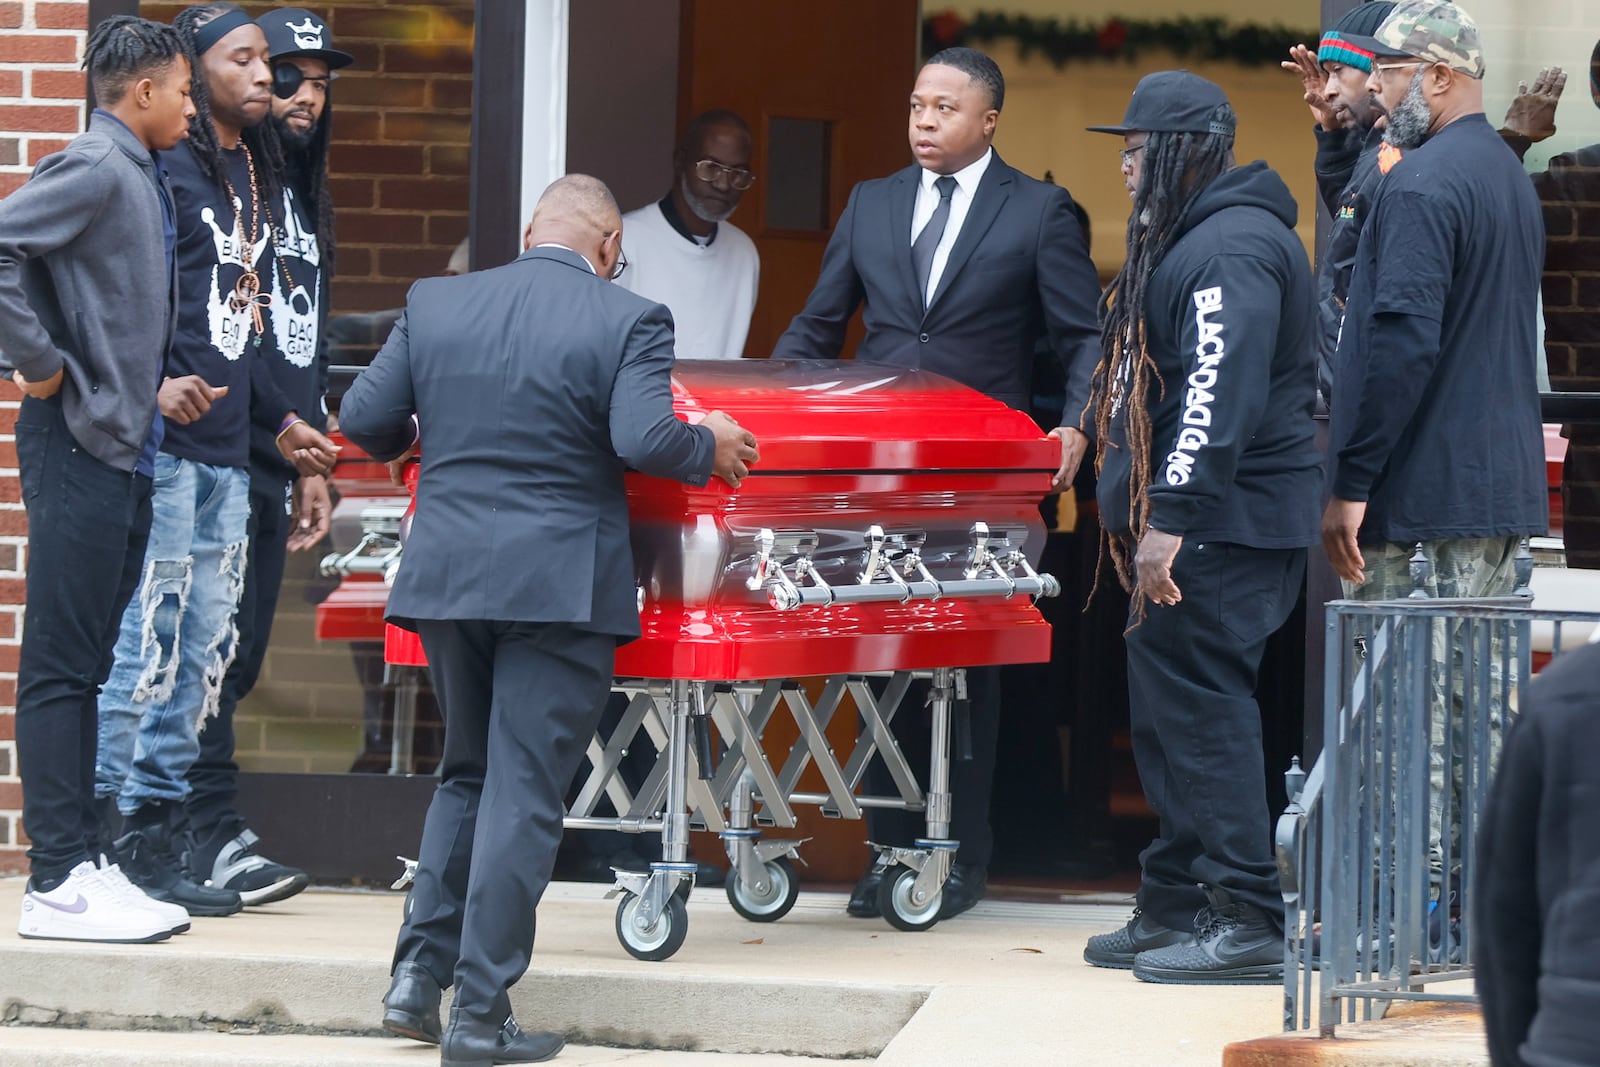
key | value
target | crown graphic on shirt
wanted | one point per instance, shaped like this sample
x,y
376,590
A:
x,y
230,245
306,35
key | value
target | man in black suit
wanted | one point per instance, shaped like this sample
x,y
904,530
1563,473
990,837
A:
x,y
964,264
537,383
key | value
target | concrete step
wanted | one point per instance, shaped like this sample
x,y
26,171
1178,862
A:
x,y
48,1047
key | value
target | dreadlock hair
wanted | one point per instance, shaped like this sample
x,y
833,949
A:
x,y
123,50
260,139
1178,167
309,164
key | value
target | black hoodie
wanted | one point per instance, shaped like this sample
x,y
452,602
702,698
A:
x,y
1229,316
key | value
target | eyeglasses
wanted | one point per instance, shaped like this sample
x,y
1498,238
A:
x,y
709,170
622,260
1127,154
1400,66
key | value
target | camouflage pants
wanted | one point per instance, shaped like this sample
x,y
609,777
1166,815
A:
x,y
1476,567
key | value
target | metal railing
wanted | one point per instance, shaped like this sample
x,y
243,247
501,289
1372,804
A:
x,y
1379,837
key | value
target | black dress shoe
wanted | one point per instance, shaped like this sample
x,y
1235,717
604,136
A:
x,y
966,886
471,1043
411,1007
864,897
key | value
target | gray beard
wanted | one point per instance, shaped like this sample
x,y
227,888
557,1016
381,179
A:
x,y
1409,121
696,205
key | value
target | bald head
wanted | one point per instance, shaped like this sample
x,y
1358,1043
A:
x,y
579,212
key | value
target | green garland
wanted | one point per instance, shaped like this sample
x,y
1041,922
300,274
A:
x,y
1063,41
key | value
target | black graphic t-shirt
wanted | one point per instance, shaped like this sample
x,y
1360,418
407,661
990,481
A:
x,y
211,337
297,361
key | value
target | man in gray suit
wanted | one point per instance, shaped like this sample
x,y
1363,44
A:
x,y
538,383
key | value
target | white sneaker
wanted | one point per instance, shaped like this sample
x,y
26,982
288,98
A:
x,y
86,907
173,915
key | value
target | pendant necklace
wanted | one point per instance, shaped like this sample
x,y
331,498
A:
x,y
247,290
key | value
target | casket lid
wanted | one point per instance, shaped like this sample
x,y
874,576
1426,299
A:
x,y
840,415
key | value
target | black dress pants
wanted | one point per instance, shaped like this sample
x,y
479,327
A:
x,y
87,528
214,777
520,703
971,780
1196,727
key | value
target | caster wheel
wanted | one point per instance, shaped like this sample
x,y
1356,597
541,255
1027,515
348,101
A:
x,y
659,940
770,903
897,903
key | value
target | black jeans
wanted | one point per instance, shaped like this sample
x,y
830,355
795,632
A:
x,y
1192,670
87,528
214,778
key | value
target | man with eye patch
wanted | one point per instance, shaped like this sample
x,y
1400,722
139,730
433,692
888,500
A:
x,y
288,510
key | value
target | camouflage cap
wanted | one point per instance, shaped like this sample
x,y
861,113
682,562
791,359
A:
x,y
1435,31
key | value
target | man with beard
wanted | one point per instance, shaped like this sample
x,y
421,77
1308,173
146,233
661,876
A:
x,y
177,636
1435,441
1349,134
973,270
286,511
682,251
1207,462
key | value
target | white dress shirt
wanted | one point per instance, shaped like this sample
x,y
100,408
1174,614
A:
x,y
967,179
574,251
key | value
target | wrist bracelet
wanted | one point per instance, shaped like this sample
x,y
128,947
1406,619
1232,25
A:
x,y
287,426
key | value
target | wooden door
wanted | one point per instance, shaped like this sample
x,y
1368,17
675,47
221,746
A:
x,y
824,87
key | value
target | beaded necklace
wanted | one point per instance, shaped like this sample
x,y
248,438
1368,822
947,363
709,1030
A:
x,y
247,290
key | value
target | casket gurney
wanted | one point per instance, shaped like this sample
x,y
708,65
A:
x,y
889,529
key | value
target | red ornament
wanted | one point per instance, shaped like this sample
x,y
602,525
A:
x,y
1112,36
947,28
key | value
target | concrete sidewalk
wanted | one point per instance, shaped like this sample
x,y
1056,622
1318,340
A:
x,y
301,983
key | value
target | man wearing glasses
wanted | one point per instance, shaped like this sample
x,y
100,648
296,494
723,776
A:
x,y
683,251
1435,440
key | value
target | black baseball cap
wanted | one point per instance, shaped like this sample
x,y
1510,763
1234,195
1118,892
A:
x,y
1172,101
294,31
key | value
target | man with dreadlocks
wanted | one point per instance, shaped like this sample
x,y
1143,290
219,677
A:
x,y
177,635
1208,491
86,295
286,511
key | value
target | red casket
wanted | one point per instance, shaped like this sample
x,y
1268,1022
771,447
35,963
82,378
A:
x,y
891,524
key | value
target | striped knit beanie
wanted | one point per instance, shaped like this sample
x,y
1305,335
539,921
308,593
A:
x,y
1363,19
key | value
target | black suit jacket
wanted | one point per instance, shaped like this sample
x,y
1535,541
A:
x,y
534,384
1019,271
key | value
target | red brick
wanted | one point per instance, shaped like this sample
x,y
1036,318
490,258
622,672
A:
x,y
10,493
8,720
374,91
411,262
368,54
354,262
10,796
381,24
425,57
8,622
453,26
39,147
454,93
37,48
10,15
352,193
445,230
39,118
449,160
10,151
369,296
8,699
13,524
9,655
425,127
402,159
358,125
424,194
57,16
363,228
10,82
10,183
58,84
6,769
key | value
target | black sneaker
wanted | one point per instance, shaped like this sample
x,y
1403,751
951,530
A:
x,y
146,857
1236,944
1119,947
226,858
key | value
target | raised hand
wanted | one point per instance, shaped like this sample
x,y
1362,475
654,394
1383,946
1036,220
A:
x,y
1303,61
1532,113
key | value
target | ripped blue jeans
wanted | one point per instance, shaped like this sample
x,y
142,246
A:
x,y
178,635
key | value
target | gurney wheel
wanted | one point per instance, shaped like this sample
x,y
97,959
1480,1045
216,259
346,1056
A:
x,y
770,904
896,903
661,939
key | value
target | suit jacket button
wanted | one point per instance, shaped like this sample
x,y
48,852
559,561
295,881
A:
x,y
923,338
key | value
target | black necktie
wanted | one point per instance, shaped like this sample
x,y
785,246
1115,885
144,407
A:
x,y
928,240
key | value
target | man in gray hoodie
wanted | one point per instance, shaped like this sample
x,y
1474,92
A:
x,y
86,297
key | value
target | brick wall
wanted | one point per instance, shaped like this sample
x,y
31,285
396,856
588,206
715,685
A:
x,y
403,126
41,108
